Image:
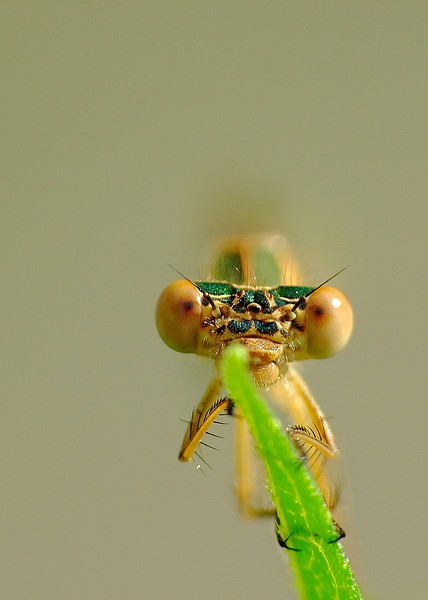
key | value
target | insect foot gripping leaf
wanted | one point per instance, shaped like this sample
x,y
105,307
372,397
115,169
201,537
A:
x,y
304,524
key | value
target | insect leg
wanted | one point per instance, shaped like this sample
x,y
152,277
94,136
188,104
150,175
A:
x,y
202,418
311,432
250,473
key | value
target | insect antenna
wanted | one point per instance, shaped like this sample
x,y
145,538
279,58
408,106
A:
x,y
302,299
204,294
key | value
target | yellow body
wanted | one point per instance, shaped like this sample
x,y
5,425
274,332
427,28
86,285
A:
x,y
256,299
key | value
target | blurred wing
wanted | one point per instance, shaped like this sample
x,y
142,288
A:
x,y
263,259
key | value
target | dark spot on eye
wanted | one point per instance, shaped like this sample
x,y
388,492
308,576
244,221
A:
x,y
318,311
187,306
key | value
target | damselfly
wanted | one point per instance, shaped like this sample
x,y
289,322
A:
x,y
255,298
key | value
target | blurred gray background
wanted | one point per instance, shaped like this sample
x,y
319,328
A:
x,y
133,134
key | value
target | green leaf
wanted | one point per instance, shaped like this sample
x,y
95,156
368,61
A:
x,y
321,569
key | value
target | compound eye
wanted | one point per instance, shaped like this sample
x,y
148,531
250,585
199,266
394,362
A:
x,y
178,316
329,322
